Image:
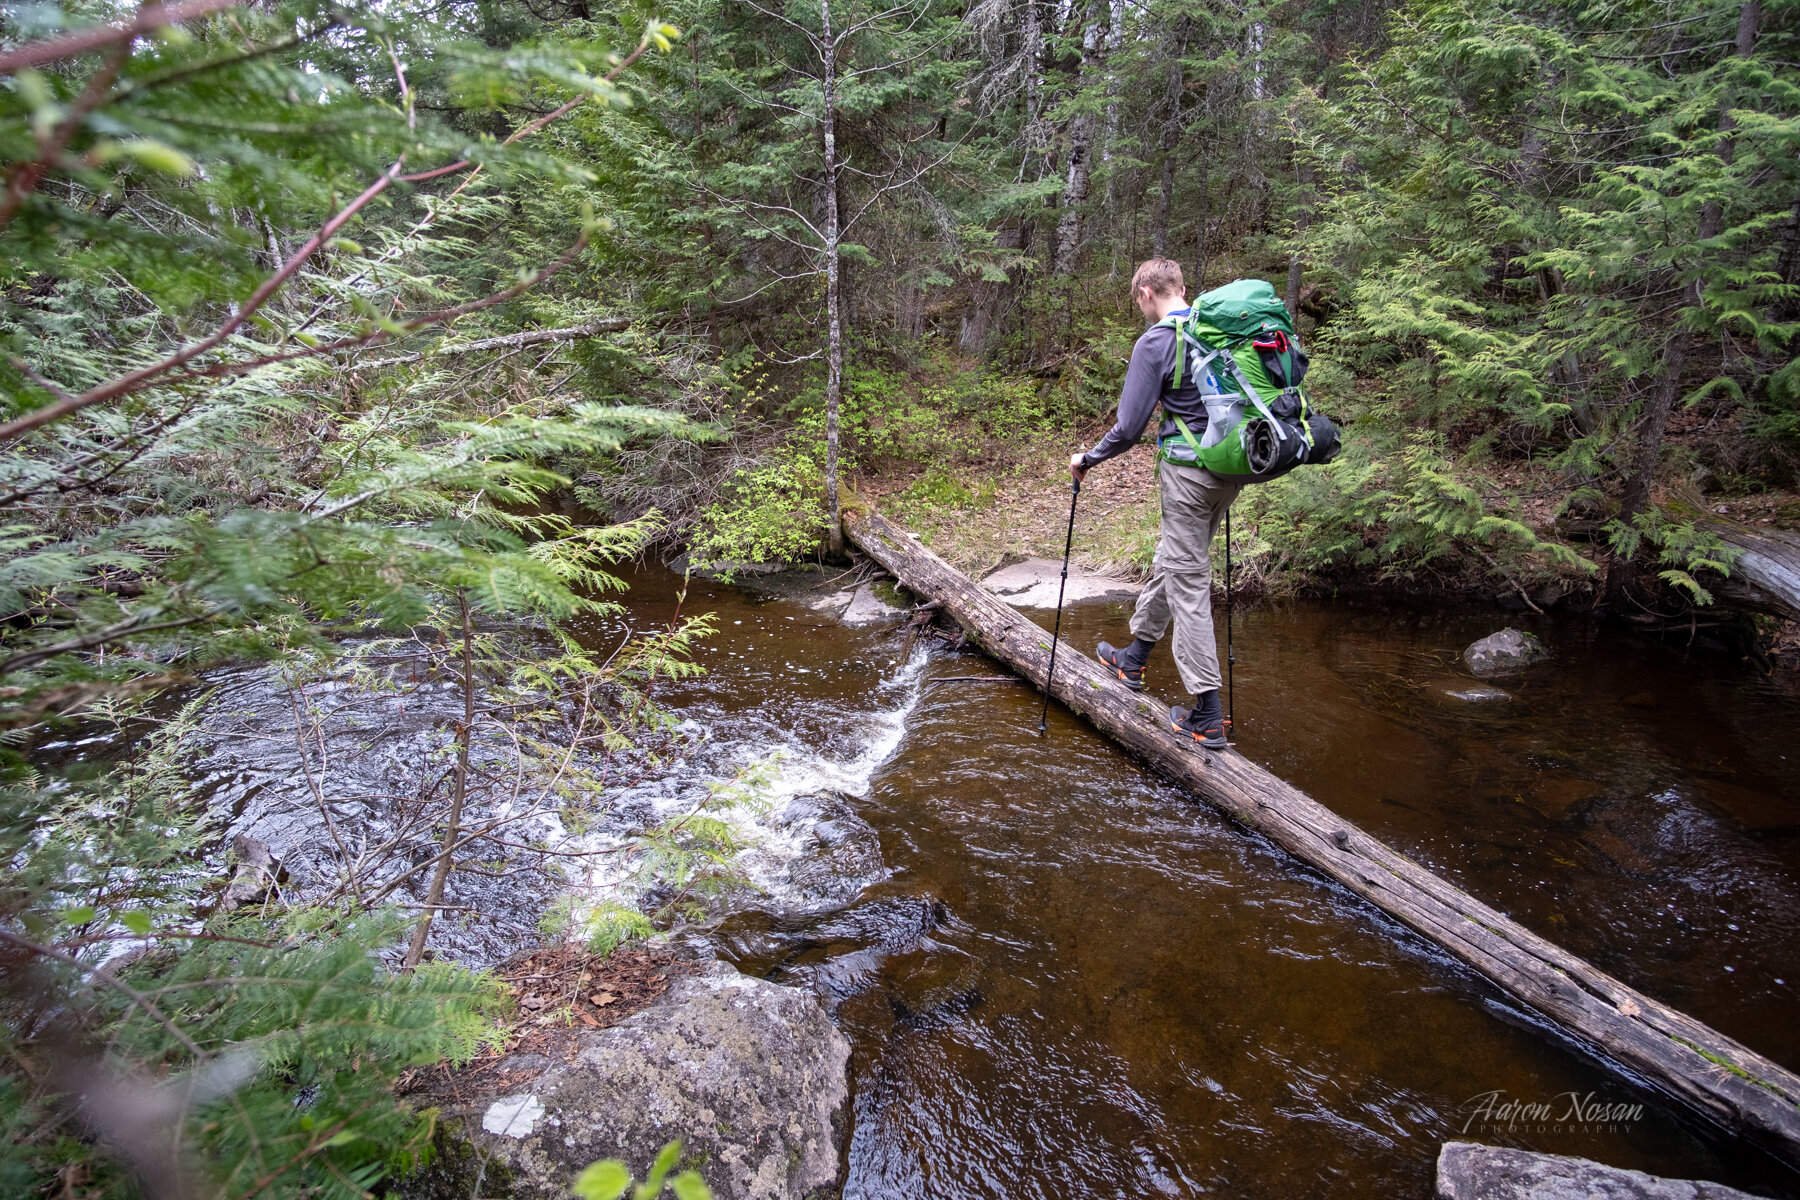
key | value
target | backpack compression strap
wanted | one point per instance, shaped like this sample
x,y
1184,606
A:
x,y
1183,339
1187,435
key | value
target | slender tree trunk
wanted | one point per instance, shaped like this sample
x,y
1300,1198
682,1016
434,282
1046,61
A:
x,y
1635,498
1171,144
1787,264
1031,49
459,791
1079,169
834,357
1200,218
1115,34
1256,129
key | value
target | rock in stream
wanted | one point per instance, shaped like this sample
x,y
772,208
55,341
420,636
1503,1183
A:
x,y
1504,653
748,1074
1469,1171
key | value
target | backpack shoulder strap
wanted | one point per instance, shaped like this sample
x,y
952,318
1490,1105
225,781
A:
x,y
1184,338
1180,350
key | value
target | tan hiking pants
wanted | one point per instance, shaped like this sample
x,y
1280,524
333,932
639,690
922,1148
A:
x,y
1194,501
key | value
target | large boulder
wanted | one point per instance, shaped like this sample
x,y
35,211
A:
x,y
1504,653
749,1075
1469,1171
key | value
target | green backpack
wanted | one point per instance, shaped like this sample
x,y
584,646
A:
x,y
1260,424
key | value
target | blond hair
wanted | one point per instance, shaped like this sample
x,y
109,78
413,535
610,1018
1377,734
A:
x,y
1161,275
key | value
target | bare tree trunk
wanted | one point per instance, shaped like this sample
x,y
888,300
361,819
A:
x,y
1302,218
1114,36
1198,284
459,791
1079,170
1171,143
1787,264
1256,129
834,357
1031,37
1165,200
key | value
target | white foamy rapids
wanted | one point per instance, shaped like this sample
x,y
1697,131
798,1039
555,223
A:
x,y
780,768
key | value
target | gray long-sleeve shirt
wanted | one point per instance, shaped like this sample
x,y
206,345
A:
x,y
1146,386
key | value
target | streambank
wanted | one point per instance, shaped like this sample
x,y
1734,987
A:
x,y
1021,516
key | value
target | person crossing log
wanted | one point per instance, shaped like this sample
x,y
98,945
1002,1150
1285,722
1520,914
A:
x,y
1709,1073
1230,365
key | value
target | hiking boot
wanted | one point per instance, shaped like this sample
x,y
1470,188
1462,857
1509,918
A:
x,y
1128,667
1207,729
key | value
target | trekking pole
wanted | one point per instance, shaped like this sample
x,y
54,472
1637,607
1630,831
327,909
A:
x,y
1230,655
1069,541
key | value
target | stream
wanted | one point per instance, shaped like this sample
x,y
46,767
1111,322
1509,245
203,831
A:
x,y
1062,976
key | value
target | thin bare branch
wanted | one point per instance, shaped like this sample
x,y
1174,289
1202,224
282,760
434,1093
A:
x,y
156,16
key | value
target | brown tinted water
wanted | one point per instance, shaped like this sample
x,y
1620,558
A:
x,y
1075,980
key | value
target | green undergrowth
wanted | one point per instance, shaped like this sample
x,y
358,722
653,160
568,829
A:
x,y
948,431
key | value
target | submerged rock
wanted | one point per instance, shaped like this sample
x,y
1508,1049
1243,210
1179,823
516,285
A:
x,y
1468,1171
1471,693
749,1075
842,857
1504,653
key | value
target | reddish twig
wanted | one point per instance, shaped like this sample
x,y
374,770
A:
x,y
154,16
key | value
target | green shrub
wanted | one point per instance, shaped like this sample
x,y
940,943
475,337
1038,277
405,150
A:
x,y
772,512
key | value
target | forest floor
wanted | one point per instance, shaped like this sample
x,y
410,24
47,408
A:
x,y
1011,502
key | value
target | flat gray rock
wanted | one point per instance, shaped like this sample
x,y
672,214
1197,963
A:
x,y
749,1075
1032,584
1469,1171
1504,653
835,603
866,607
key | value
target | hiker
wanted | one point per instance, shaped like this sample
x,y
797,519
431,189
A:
x,y
1194,501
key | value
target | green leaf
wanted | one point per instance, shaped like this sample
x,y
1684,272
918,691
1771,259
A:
x,y
78,916
665,1162
137,922
689,1186
156,156
604,1180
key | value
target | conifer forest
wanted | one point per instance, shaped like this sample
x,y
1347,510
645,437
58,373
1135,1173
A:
x,y
433,434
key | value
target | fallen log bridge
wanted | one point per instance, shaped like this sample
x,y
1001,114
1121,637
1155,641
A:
x,y
1727,1083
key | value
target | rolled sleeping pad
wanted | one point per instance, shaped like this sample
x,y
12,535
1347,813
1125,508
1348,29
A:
x,y
1325,438
1269,451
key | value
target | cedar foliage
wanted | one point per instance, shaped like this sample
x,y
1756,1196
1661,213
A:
x,y
208,232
